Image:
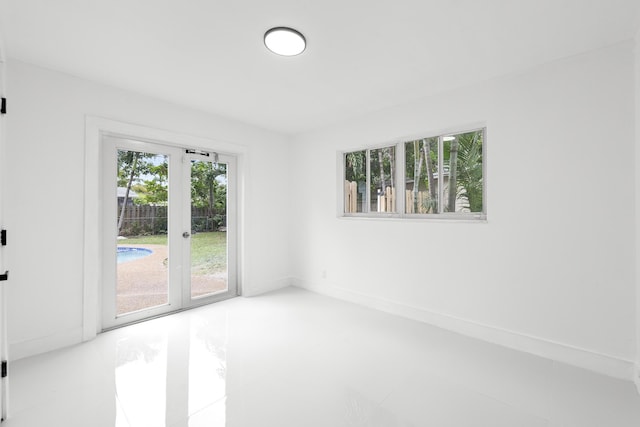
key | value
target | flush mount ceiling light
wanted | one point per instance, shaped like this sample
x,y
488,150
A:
x,y
285,41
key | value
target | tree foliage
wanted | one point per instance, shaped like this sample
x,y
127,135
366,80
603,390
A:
x,y
469,169
133,162
206,189
131,166
154,191
149,176
356,166
382,168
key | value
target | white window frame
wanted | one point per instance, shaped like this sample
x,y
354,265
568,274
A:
x,y
400,177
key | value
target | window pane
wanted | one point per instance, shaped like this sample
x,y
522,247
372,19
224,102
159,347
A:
x,y
463,172
209,273
355,181
141,245
421,172
382,171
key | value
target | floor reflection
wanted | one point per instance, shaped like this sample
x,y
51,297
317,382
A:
x,y
141,381
207,371
292,358
163,378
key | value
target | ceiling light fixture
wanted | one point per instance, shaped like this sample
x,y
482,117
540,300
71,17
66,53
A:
x,y
285,41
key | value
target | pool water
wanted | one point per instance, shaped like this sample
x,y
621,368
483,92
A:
x,y
126,254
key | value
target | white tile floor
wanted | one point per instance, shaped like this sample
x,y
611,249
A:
x,y
293,358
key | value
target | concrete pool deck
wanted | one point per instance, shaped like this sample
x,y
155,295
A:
x,y
143,283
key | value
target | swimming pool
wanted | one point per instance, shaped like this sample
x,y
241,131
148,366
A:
x,y
126,254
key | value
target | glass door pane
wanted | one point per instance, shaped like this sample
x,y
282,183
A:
x,y
142,218
208,243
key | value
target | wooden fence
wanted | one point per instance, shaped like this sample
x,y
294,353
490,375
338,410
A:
x,y
351,196
385,202
419,202
148,219
424,202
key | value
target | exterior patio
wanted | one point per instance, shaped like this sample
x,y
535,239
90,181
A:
x,y
143,283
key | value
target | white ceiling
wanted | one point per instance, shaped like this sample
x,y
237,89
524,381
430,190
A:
x,y
362,55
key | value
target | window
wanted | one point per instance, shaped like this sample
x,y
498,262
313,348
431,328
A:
x,y
421,176
443,176
381,180
356,181
373,170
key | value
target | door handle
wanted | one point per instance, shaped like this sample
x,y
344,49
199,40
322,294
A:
x,y
186,234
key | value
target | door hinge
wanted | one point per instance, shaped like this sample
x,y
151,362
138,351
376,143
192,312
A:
x,y
3,107
4,369
3,237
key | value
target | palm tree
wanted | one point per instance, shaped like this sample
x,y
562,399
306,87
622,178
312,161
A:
x,y
469,179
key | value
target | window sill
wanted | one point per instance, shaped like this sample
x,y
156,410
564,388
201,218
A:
x,y
460,218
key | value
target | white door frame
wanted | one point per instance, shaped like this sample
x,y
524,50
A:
x,y
4,382
95,128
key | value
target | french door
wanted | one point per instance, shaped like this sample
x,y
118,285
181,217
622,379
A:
x,y
169,229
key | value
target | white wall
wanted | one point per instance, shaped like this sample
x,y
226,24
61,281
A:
x,y
552,270
44,196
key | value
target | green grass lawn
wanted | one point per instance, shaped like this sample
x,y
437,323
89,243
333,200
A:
x,y
208,250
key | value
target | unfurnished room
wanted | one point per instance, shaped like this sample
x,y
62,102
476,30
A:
x,y
320,213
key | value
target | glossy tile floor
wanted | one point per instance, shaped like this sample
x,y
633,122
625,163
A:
x,y
293,358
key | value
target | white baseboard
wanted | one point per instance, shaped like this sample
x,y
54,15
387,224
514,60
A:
x,y
583,358
22,349
251,291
